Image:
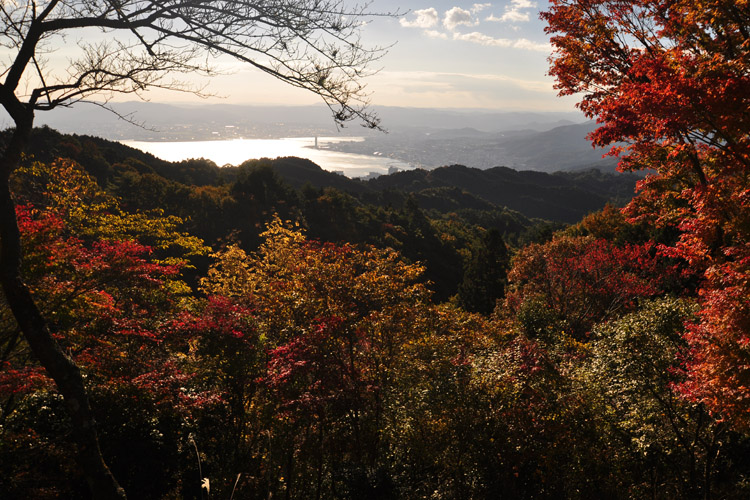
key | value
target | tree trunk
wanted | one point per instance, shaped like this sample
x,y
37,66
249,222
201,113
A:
x,y
60,367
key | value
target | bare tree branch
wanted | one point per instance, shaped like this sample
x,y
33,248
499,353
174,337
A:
x,y
310,44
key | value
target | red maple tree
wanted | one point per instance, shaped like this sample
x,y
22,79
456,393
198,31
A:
x,y
668,82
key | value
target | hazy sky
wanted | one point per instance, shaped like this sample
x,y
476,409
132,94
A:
x,y
443,54
446,54
466,54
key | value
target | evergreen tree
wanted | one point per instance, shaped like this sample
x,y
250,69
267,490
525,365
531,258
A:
x,y
485,276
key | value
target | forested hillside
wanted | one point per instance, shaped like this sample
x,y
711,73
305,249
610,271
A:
x,y
306,367
272,330
560,197
434,217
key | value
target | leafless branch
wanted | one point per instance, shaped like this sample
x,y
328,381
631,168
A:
x,y
309,44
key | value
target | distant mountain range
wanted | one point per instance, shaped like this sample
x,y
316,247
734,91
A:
x,y
560,148
427,138
178,121
560,196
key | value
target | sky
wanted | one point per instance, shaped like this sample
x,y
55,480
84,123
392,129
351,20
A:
x,y
443,54
465,54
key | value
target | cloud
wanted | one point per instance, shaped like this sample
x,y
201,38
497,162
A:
x,y
514,12
436,34
486,40
479,7
523,43
425,18
458,17
432,82
512,16
482,39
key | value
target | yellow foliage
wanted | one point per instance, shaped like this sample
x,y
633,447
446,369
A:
x,y
291,282
89,212
230,274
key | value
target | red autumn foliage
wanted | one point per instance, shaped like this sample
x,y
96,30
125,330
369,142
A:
x,y
21,380
224,336
321,370
104,300
670,78
719,366
582,281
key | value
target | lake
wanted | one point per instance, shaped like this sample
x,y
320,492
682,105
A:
x,y
236,151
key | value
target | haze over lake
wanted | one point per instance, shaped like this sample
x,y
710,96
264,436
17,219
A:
x,y
236,151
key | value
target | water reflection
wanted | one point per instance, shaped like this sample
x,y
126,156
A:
x,y
236,151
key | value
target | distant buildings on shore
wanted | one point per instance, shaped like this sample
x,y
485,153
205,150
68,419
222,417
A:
x,y
373,175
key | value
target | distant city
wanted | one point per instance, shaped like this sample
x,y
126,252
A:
x,y
422,138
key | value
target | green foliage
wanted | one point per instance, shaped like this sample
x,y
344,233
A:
x,y
669,447
561,197
90,213
485,277
312,369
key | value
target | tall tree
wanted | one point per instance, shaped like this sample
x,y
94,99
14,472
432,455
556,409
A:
x,y
485,275
104,293
311,44
333,324
567,285
671,79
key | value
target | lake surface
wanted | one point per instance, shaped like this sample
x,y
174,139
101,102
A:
x,y
236,151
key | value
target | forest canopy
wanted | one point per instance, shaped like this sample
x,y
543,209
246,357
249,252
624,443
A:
x,y
314,342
